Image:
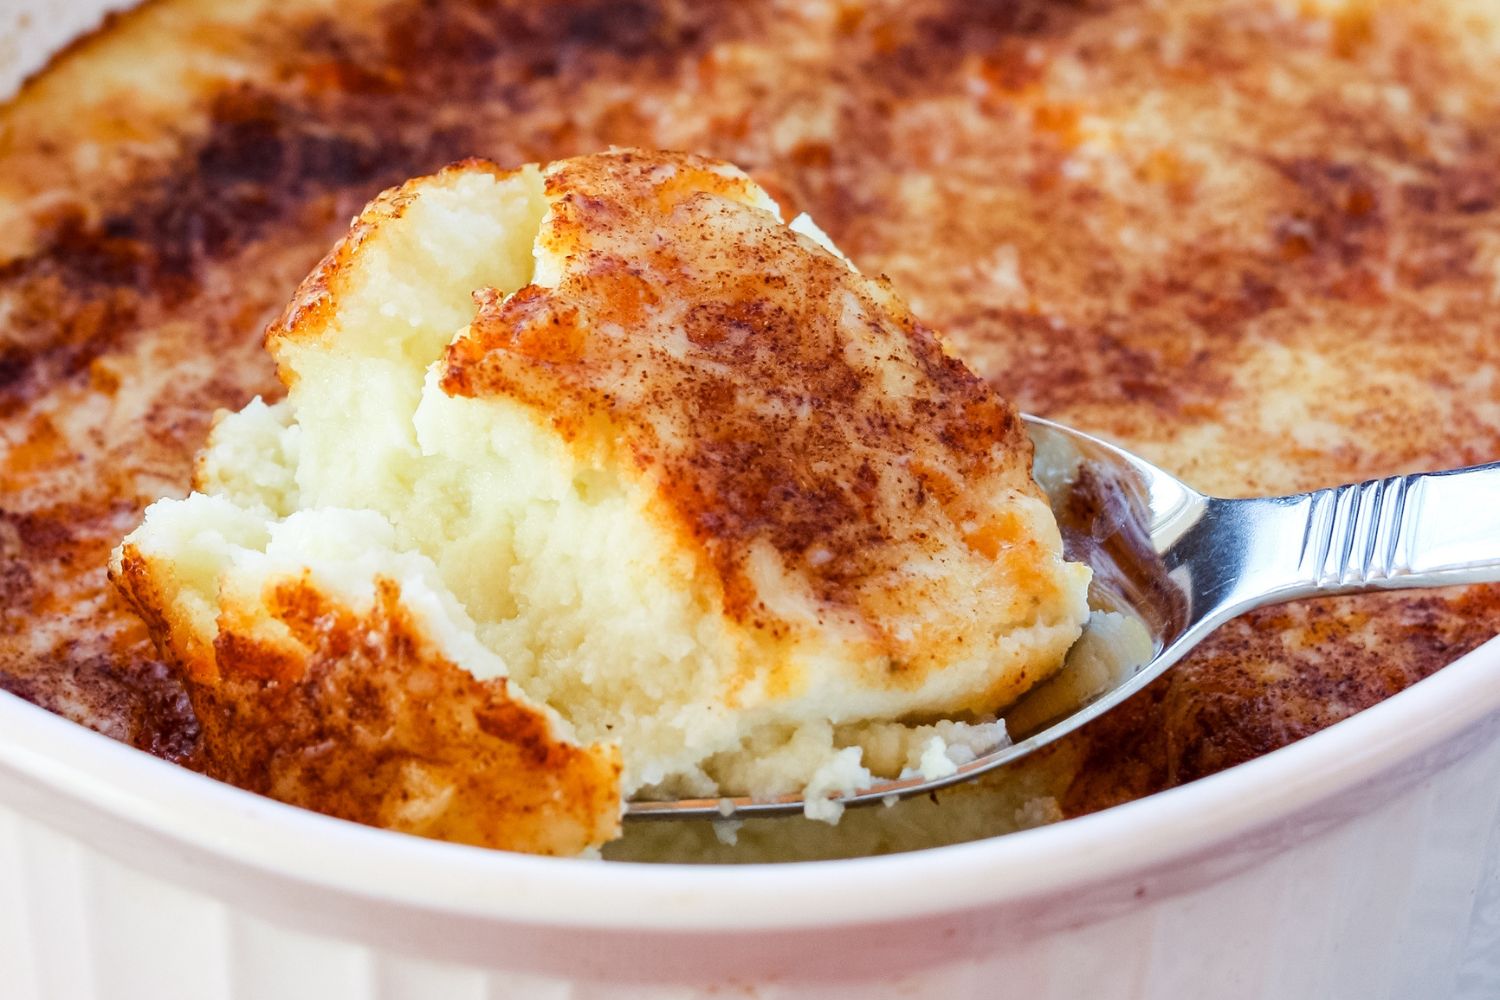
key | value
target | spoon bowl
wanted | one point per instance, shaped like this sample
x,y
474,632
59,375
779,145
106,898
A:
x,y
1171,564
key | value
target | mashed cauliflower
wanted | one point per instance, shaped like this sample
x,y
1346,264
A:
x,y
691,497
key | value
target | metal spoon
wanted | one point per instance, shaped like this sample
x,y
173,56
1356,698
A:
x,y
1182,564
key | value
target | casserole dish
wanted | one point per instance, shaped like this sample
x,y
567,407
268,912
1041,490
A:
x,y
1363,861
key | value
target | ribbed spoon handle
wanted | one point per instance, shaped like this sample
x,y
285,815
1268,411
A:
x,y
1425,530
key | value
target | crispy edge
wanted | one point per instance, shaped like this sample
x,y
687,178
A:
x,y
311,309
358,716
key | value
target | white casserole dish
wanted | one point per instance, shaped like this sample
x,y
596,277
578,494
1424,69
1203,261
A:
x,y
1360,863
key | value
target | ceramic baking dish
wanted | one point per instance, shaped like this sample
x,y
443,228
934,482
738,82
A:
x,y
1360,863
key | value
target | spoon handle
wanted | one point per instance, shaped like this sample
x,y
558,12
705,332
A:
x,y
1426,530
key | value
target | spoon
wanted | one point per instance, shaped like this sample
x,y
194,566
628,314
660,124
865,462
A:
x,y
1180,564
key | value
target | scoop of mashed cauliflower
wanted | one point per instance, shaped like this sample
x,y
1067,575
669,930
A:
x,y
695,508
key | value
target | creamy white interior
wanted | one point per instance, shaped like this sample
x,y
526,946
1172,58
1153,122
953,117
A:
x,y
529,559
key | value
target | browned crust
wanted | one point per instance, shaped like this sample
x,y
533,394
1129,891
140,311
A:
x,y
358,716
1338,663
772,425
137,581
937,141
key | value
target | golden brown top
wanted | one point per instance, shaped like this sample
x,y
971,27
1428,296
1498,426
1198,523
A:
x,y
773,395
1253,239
357,712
